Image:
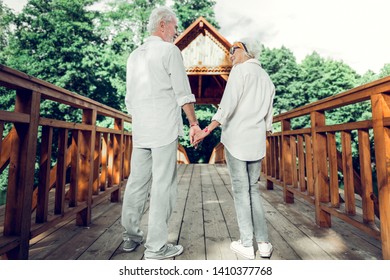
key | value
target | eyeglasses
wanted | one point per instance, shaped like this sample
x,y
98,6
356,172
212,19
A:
x,y
237,45
233,49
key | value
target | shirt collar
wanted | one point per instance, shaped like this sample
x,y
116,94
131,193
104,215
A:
x,y
253,60
153,38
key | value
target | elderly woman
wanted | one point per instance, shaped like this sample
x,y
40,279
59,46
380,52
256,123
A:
x,y
245,115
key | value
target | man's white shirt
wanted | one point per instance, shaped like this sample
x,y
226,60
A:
x,y
157,87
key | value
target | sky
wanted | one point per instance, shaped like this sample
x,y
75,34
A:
x,y
353,31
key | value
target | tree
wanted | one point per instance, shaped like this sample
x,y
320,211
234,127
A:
x,y
56,40
385,71
123,27
6,18
283,70
188,11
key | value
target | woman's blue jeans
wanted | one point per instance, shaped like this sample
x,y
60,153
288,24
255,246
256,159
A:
x,y
247,200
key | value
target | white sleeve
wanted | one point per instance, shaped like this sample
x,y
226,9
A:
x,y
180,84
231,96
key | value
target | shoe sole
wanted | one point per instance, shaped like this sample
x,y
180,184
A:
x,y
251,257
167,256
268,255
131,249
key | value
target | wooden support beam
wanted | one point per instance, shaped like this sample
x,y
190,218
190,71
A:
x,y
381,109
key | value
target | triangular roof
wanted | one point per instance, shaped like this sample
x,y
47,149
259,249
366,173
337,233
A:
x,y
206,59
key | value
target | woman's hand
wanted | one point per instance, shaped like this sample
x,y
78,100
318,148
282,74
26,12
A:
x,y
200,135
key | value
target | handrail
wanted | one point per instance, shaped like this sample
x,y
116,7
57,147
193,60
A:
x,y
307,162
91,161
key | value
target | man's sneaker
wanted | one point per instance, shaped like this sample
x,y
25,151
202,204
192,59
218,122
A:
x,y
246,252
170,252
265,249
130,245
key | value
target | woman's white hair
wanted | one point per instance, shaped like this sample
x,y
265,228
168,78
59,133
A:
x,y
160,14
253,47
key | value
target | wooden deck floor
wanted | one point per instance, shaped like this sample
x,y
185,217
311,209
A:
x,y
204,222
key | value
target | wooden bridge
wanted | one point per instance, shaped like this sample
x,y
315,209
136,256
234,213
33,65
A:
x,y
75,203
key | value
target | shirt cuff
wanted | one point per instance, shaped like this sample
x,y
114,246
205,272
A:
x,y
218,117
186,99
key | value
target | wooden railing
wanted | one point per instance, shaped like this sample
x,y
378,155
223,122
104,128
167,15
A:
x,y
316,162
88,164
182,157
218,154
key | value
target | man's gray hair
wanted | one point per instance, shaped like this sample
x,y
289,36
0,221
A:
x,y
253,47
160,14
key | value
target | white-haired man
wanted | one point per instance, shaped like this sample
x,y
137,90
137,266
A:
x,y
157,90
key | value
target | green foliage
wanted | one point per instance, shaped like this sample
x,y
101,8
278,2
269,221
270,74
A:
x,y
188,11
56,41
69,44
385,71
283,70
204,113
6,18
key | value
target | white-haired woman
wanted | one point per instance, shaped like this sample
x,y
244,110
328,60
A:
x,y
245,115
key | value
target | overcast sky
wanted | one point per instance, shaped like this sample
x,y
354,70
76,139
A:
x,y
354,31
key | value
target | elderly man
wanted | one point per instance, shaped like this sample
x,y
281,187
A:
x,y
157,90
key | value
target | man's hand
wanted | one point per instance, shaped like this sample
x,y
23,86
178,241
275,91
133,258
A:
x,y
194,130
200,135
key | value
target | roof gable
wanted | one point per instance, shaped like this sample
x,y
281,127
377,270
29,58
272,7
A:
x,y
205,51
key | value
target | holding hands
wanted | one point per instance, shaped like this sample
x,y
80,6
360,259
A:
x,y
194,129
201,134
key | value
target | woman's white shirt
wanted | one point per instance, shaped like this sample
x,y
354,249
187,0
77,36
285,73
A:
x,y
245,111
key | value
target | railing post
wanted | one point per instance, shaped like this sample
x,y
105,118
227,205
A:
x,y
287,162
44,175
96,163
87,146
269,162
74,167
127,156
321,186
380,110
117,172
21,173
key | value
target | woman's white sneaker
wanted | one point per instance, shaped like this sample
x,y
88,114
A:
x,y
265,249
246,252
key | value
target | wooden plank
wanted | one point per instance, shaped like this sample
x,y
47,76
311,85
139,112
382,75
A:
x,y
309,165
366,176
192,235
21,173
44,174
87,145
216,233
287,163
294,171
17,117
96,164
104,159
303,246
349,190
74,168
333,170
320,171
62,165
358,244
301,164
67,241
381,109
225,196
